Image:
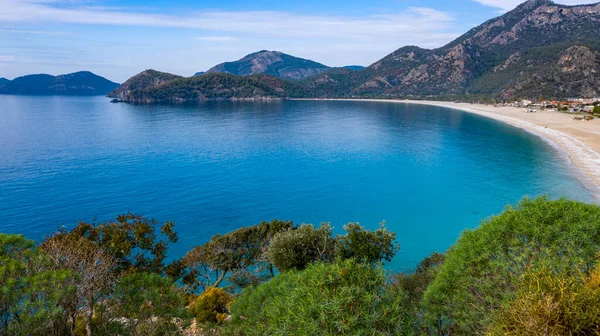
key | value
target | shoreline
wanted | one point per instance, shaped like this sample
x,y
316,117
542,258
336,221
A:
x,y
579,140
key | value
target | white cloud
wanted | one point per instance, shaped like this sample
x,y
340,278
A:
x,y
7,58
216,38
507,5
331,39
423,21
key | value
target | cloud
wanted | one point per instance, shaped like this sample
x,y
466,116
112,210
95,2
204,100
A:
x,y
7,58
507,5
216,38
414,21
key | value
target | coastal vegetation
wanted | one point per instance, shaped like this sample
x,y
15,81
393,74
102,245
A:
x,y
531,270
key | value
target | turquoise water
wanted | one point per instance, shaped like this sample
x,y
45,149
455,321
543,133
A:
x,y
429,172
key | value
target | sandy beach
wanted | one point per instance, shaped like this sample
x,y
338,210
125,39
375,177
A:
x,y
580,140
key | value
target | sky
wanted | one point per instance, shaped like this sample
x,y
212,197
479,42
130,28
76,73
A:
x,y
117,39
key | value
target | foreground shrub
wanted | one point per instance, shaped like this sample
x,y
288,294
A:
x,y
30,291
483,270
143,304
345,298
212,306
551,305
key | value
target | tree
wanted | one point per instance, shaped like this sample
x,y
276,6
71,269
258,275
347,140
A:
x,y
596,109
367,246
483,269
238,253
29,290
296,249
92,273
344,298
144,304
132,241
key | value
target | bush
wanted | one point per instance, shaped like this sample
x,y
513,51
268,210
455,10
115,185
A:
x,y
552,304
296,249
484,268
212,306
367,246
345,298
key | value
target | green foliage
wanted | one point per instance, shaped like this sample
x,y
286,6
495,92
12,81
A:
x,y
596,109
29,291
132,241
485,266
238,253
144,304
415,284
296,249
367,246
212,306
550,304
346,298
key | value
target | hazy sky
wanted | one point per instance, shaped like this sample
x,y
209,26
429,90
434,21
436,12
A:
x,y
119,38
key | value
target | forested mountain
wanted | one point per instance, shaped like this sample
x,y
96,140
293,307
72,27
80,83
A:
x,y
143,80
216,86
539,49
78,83
272,63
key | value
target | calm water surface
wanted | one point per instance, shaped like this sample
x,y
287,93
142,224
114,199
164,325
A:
x,y
428,172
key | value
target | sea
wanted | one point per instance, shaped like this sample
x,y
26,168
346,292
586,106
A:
x,y
428,173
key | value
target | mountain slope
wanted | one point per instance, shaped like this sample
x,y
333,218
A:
x,y
144,80
539,49
78,83
3,81
481,56
273,63
217,86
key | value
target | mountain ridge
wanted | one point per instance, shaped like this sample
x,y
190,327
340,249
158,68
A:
x,y
76,83
274,63
539,49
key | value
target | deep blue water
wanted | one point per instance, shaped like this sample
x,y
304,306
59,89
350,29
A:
x,y
429,172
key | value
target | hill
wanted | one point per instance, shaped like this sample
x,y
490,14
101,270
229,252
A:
x,y
217,86
537,44
539,49
273,63
3,81
144,80
78,83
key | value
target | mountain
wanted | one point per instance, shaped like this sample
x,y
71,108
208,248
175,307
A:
x,y
354,67
78,83
199,73
272,63
3,80
144,80
216,86
538,48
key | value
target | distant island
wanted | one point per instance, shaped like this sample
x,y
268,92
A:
x,y
77,84
539,49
